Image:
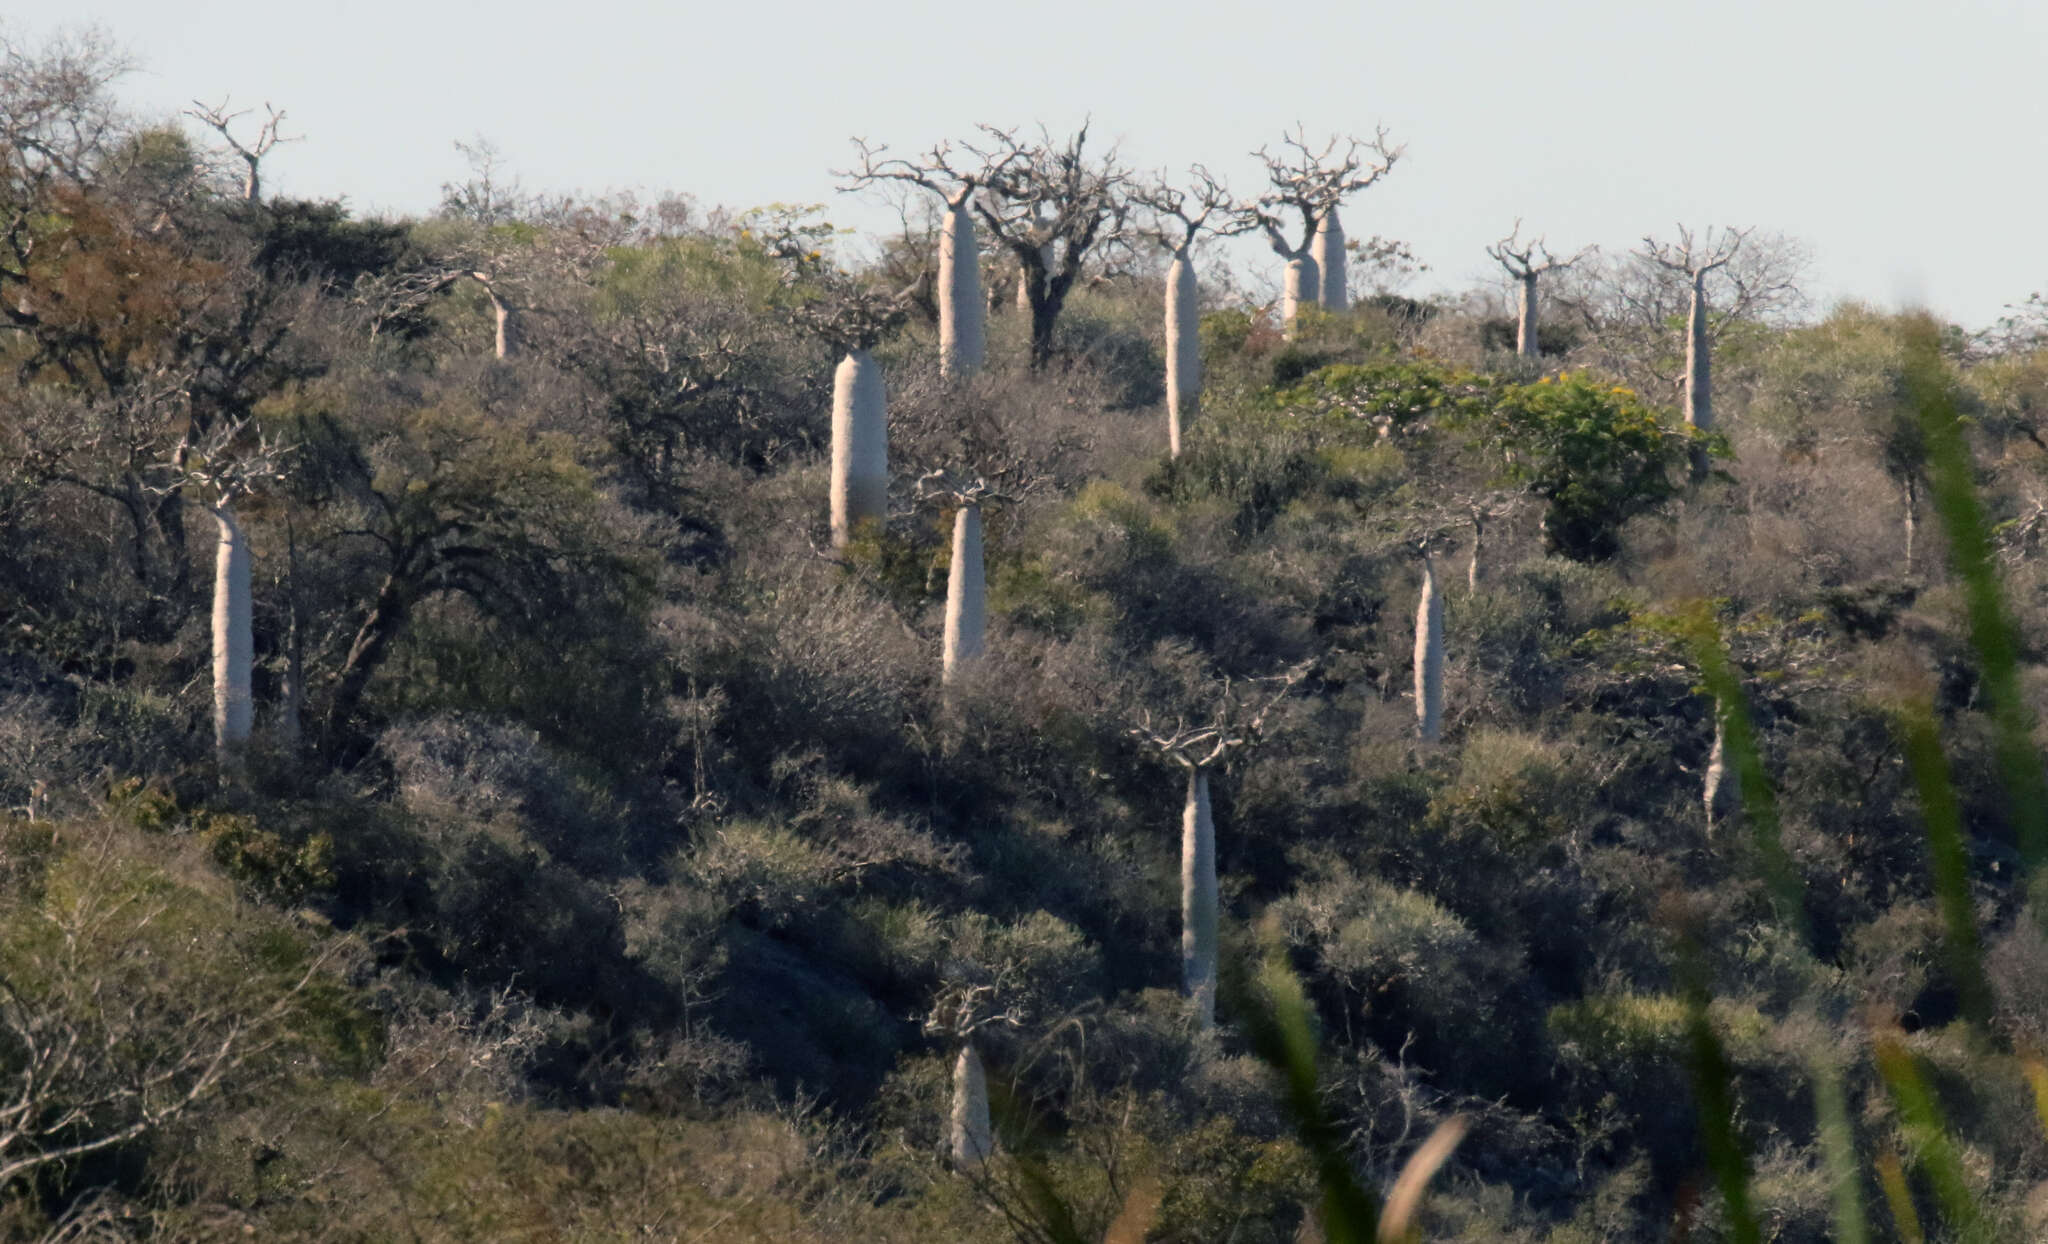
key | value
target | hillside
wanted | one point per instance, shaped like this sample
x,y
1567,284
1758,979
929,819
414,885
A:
x,y
590,719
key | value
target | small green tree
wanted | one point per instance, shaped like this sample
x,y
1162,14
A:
x,y
1597,454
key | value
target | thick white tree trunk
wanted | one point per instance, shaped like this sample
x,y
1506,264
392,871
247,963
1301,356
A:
x,y
233,646
1912,518
860,446
1183,349
962,346
1718,790
1472,567
1198,907
972,1139
1429,657
966,596
1699,370
1301,287
507,343
1525,323
1327,250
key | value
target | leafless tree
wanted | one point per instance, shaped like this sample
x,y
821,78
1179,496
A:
x,y
955,177
1199,750
1054,205
229,465
1179,218
1694,259
1310,184
1058,209
1527,263
487,197
968,1005
1628,306
268,135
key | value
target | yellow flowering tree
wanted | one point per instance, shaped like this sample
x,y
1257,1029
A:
x,y
1596,453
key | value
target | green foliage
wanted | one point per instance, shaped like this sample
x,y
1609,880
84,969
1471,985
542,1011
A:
x,y
283,872
1392,394
1595,453
663,845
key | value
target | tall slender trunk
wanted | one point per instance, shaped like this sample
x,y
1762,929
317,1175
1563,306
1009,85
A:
x,y
507,339
972,1138
1699,371
966,596
1198,905
1301,287
1472,566
1429,657
1720,796
1183,349
1912,518
233,644
860,446
1327,252
962,346
1525,322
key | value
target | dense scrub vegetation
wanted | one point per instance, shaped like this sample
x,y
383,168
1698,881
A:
x,y
610,860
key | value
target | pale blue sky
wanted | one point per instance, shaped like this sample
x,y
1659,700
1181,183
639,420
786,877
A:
x,y
1902,141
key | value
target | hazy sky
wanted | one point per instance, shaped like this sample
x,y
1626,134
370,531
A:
x,y
1902,140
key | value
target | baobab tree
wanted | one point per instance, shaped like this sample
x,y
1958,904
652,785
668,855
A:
x,y
1310,185
1057,208
1180,219
1527,263
268,135
1694,259
225,470
852,319
1053,205
1719,280
955,177
1429,653
399,297
1200,751
960,1014
966,627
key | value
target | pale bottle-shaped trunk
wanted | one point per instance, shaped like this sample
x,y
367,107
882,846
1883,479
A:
x,y
971,1137
1198,905
1472,566
1911,518
961,342
1301,287
1429,657
1525,322
966,596
1327,253
1183,349
233,644
1718,790
507,338
860,446
1699,370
